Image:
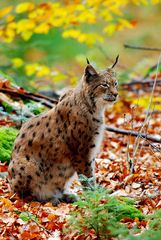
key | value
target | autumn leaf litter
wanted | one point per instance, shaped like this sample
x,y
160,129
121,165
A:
x,y
112,172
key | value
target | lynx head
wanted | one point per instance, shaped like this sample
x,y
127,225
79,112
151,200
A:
x,y
100,87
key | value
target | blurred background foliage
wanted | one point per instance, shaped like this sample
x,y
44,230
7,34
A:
x,y
44,44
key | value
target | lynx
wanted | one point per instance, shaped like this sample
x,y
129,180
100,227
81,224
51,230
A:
x,y
51,147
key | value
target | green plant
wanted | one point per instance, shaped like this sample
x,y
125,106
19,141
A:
x,y
23,112
7,137
103,213
27,216
6,76
154,228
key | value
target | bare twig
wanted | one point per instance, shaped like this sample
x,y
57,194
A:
x,y
140,135
148,115
42,227
135,134
153,146
39,225
142,48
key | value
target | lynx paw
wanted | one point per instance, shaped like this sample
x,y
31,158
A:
x,y
55,201
69,198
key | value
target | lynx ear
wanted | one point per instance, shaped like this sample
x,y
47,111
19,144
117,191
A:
x,y
90,73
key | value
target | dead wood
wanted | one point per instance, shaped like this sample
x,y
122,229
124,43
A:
x,y
147,81
49,102
142,48
135,134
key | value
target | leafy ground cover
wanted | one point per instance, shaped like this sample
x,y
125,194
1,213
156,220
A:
x,y
126,174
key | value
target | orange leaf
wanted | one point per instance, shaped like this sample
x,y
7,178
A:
x,y
52,216
7,203
25,235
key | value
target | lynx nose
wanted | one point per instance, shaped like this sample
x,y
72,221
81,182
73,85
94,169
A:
x,y
115,94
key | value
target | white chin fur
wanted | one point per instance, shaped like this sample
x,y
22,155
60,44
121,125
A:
x,y
111,103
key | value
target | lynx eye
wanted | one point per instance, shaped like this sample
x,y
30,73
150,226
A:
x,y
116,84
105,85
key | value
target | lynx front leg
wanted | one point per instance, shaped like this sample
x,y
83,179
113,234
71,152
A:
x,y
86,172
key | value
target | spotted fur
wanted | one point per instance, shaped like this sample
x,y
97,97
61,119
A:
x,y
50,148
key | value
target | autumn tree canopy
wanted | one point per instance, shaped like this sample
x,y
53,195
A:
x,y
87,22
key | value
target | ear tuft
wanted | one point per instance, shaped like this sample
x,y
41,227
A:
x,y
90,73
115,61
87,61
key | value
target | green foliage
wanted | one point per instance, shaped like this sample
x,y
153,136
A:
x,y
37,41
27,216
4,75
99,211
7,137
122,208
123,76
154,228
22,113
152,71
35,108
8,108
18,114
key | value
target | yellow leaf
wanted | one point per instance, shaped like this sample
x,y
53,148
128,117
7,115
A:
x,y
71,33
110,29
10,18
1,32
6,203
5,11
123,23
42,71
10,32
32,15
17,62
30,69
80,7
24,7
52,216
106,15
11,25
58,76
156,2
138,2
115,9
56,21
26,35
25,24
86,16
92,38
8,39
144,102
73,81
42,28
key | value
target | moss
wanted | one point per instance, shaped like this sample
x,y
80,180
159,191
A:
x,y
7,137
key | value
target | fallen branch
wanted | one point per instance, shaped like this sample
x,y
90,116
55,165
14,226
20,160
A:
x,y
135,134
49,102
141,81
142,48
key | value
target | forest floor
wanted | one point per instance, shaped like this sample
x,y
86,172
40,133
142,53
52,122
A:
x,y
118,168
